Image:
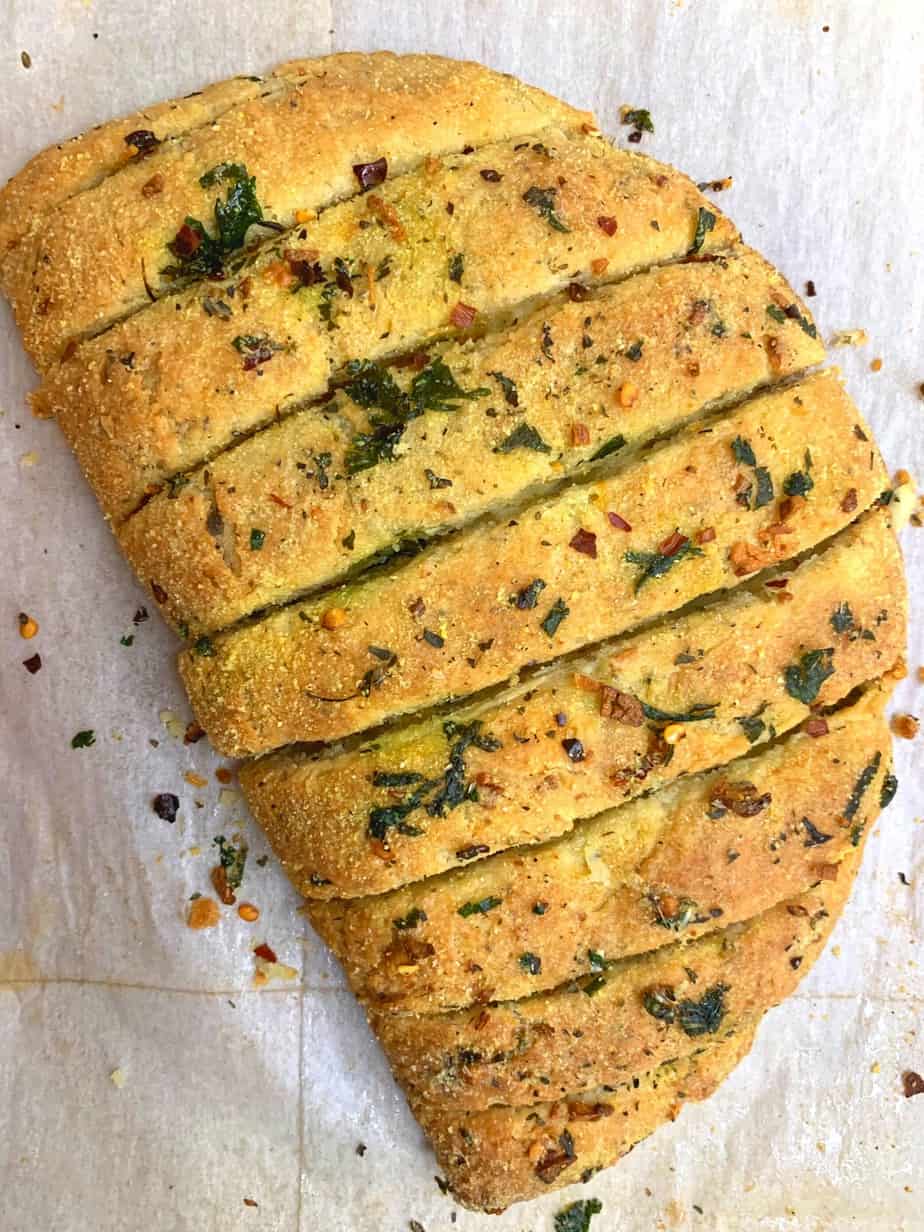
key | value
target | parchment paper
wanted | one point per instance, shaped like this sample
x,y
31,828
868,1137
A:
x,y
230,1092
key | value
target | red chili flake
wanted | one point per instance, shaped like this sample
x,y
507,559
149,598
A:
x,y
250,1202
585,541
159,593
277,500
193,733
672,544
635,136
816,727
580,434
186,241
492,176
577,292
615,520
607,225
912,1083
810,288
849,503
370,175
263,950
777,583
153,186
417,607
33,664
463,315
143,141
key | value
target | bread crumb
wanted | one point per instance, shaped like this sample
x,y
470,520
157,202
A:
x,y
118,1078
905,725
203,913
29,459
850,337
876,365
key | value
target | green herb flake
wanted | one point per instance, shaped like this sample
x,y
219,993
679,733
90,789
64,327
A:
x,y
232,858
479,908
83,739
511,396
524,436
542,201
197,252
531,963
414,917
702,1017
204,646
374,388
705,221
638,117
127,640
634,352
889,788
842,618
804,679
777,313
743,452
611,446
800,483
456,267
764,494
852,807
696,714
577,1216
558,612
527,598
753,725
257,539
657,564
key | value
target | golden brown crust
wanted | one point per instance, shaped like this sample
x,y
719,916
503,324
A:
x,y
718,847
502,1155
318,812
444,473
603,1029
449,620
169,387
73,166
88,262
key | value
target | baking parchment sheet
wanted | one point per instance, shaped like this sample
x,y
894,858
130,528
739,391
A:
x,y
229,1092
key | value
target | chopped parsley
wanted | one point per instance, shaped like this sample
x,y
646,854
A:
x,y
232,859
528,597
889,788
744,453
435,796
524,436
204,646
511,397
200,254
257,539
554,617
577,1216
777,313
531,963
656,564
83,739
613,445
256,349
542,201
480,908
634,352
813,836
791,313
127,640
702,1017
696,713
705,221
375,389
852,807
804,679
842,618
638,117
414,917
456,267
800,483
753,725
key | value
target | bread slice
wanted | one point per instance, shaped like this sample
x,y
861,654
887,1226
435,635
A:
x,y
467,613
375,276
631,1016
671,343
699,855
501,1155
712,683
101,254
75,166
